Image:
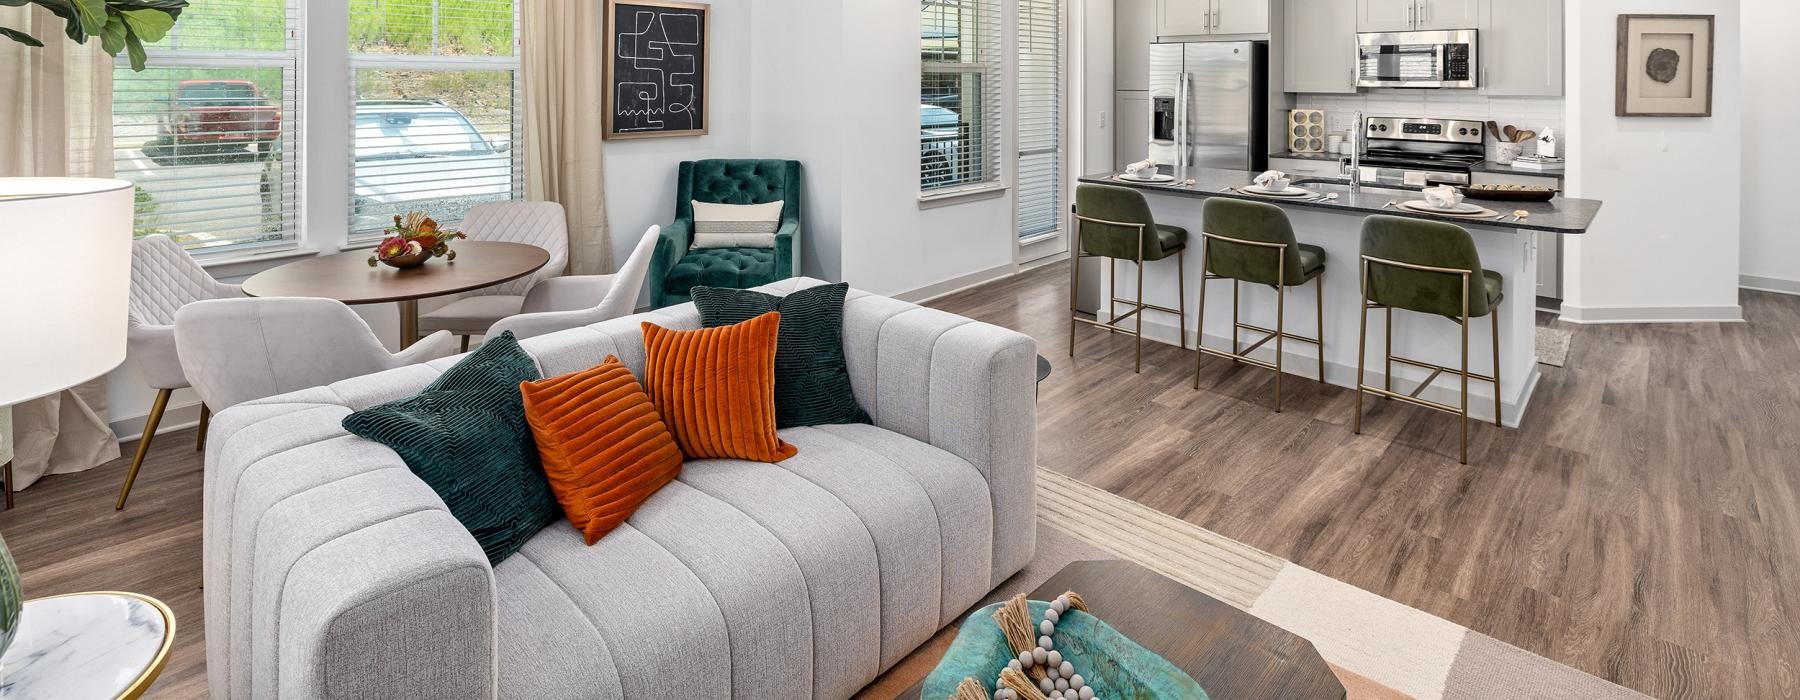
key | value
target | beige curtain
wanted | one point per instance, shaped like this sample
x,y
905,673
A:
x,y
561,69
56,121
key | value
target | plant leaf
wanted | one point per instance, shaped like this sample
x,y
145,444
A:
x,y
92,14
20,37
149,25
136,49
112,37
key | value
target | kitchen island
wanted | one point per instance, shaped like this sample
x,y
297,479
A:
x,y
1335,224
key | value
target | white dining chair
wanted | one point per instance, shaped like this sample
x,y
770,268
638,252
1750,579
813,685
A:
x,y
237,350
164,278
541,224
579,300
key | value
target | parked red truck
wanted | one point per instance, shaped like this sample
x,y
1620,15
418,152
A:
x,y
221,113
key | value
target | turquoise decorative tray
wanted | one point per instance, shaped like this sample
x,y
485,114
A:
x,y
1112,664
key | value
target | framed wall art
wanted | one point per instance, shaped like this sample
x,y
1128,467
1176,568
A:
x,y
1665,66
655,72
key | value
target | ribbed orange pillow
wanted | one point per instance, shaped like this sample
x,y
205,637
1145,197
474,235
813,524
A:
x,y
602,444
715,387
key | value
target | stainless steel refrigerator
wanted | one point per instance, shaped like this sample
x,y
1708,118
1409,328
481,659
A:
x,y
1208,106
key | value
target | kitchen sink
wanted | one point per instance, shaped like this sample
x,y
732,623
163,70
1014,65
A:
x,y
1345,182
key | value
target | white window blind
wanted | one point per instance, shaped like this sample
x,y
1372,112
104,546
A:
x,y
436,89
959,94
1040,165
209,131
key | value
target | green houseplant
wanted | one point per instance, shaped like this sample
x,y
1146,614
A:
x,y
122,25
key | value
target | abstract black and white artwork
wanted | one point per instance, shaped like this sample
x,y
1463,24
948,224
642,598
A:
x,y
656,68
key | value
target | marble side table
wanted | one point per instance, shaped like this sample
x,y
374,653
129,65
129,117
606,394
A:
x,y
87,645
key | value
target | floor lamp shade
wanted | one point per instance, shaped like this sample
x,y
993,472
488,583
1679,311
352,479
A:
x,y
65,276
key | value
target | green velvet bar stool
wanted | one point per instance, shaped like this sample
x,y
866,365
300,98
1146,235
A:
x,y
1427,267
1114,222
1253,242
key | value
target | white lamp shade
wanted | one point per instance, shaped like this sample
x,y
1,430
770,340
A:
x,y
65,277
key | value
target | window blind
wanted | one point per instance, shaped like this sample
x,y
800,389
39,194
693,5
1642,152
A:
x,y
1040,164
209,132
959,94
436,89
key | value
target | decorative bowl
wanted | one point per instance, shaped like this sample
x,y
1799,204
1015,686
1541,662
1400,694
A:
x,y
403,262
1111,663
1509,193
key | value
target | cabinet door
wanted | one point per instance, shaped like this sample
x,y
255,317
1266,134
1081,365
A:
x,y
1450,14
1134,30
1240,17
1522,48
1183,17
1384,15
1131,127
1321,46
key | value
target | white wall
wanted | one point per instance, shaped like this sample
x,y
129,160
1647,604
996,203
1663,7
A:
x,y
801,119
1665,246
1771,250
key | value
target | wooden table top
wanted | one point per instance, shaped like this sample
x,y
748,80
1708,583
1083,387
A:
x,y
1231,653
348,278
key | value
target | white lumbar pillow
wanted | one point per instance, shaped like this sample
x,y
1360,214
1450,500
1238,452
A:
x,y
736,225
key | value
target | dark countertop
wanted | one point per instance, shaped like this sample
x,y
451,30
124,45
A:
x,y
1486,166
1560,215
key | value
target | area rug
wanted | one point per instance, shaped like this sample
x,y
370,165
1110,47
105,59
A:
x,y
1378,648
1553,346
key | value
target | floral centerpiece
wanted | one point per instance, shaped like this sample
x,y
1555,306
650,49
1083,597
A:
x,y
414,239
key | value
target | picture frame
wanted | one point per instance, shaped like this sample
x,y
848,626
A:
x,y
655,71
1665,66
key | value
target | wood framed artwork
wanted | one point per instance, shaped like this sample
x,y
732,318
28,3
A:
x,y
655,68
1665,66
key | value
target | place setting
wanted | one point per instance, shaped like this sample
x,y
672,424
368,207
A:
x,y
1275,184
1145,171
1444,200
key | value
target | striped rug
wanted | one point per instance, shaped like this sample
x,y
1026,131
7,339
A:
x,y
1379,648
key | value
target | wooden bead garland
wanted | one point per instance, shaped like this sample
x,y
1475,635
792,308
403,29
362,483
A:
x,y
1040,672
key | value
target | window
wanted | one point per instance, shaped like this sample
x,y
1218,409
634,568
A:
x,y
209,132
959,94
1040,176
436,93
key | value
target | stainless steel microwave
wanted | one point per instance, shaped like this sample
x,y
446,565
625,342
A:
x,y
1434,59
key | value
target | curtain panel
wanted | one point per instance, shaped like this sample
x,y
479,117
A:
x,y
560,66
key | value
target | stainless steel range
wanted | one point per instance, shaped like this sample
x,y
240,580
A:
x,y
1420,152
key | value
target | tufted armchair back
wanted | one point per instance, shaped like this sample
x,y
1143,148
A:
x,y
164,278
542,224
738,181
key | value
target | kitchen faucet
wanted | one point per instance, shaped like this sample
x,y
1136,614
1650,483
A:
x,y
1354,162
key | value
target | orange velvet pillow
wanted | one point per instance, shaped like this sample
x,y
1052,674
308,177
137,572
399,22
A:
x,y
715,387
602,444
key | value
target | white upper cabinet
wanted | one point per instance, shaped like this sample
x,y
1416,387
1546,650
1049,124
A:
x,y
1385,15
1200,17
1522,48
1320,42
1449,14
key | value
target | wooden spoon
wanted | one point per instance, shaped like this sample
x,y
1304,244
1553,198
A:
x,y
1494,129
1527,135
1512,134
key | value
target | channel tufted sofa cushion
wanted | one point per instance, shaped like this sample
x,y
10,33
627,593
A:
x,y
675,269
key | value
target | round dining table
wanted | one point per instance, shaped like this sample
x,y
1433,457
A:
x,y
347,277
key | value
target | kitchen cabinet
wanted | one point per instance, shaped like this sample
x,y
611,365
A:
x,y
1134,30
1131,127
1522,48
1320,41
1411,15
1202,17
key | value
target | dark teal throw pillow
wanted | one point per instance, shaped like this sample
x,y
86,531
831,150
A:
x,y
812,381
465,436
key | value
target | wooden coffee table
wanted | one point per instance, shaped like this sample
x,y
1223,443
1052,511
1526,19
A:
x,y
347,277
1232,654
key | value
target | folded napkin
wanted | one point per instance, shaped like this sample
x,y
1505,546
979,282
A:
x,y
1137,169
1442,196
1269,176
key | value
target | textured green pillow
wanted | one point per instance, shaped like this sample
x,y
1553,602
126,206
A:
x,y
466,437
812,382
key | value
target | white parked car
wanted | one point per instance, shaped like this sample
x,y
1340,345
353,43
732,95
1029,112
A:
x,y
424,156
940,145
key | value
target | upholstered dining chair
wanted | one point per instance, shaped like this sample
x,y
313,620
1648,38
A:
x,y
237,350
541,224
561,303
164,278
679,267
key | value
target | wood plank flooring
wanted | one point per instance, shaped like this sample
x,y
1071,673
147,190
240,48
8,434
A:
x,y
1643,525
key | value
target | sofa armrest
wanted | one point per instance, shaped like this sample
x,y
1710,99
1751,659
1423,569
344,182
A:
x,y
787,250
671,245
330,569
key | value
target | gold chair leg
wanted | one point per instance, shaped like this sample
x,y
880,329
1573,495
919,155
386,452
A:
x,y
1074,294
137,462
1387,352
465,343
1139,367
1495,320
1181,298
6,473
1234,320
1280,318
1200,322
1319,313
1464,418
205,418
1362,343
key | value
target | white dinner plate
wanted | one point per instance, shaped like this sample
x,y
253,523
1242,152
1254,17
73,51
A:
x,y
1290,192
1460,208
1159,177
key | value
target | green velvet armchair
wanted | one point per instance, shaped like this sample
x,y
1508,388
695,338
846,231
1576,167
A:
x,y
675,269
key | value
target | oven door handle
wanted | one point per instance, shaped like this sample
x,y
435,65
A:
x,y
1441,52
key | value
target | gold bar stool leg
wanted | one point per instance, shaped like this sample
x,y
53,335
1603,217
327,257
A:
x,y
1234,320
1181,298
1494,319
1200,323
1074,292
137,462
1362,344
1139,368
1319,313
6,473
1465,370
1387,351
1280,317
1112,289
205,418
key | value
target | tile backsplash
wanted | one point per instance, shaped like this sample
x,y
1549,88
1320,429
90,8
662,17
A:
x,y
1533,113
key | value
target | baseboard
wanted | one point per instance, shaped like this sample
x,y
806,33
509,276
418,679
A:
x,y
1652,314
1778,285
957,284
131,428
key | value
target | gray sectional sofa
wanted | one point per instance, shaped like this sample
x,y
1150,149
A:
x,y
333,572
